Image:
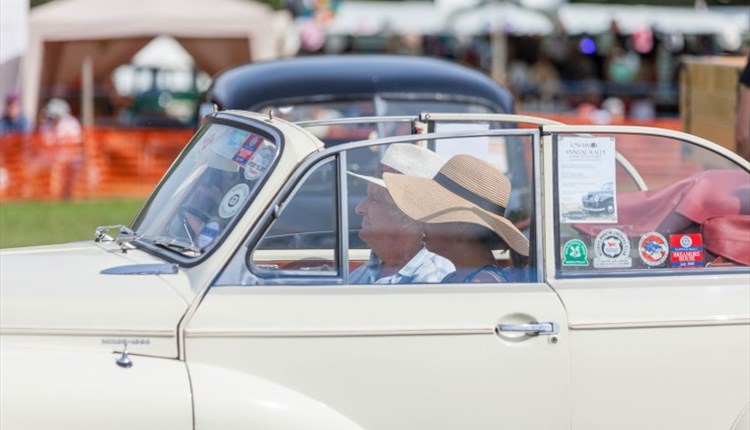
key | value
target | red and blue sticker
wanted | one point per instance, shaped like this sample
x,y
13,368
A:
x,y
686,250
653,249
248,148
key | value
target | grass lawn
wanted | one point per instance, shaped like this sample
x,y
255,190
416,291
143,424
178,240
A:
x,y
41,223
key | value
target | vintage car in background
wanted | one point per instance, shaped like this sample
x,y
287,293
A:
x,y
203,313
336,86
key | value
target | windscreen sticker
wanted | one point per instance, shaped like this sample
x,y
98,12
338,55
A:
x,y
653,249
233,200
686,250
612,250
586,179
205,142
247,150
260,161
208,234
231,143
575,253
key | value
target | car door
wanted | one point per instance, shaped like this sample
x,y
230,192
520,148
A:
x,y
657,289
281,340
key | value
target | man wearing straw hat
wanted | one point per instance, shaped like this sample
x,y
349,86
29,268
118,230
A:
x,y
398,253
462,209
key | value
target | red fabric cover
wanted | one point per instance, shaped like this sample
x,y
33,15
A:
x,y
728,236
702,196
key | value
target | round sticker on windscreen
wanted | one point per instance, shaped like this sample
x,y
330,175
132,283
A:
x,y
208,234
260,161
233,200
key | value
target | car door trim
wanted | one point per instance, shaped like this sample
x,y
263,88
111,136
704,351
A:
x,y
197,333
715,321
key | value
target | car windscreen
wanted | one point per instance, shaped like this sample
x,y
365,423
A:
x,y
207,189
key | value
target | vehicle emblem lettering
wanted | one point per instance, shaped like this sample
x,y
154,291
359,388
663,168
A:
x,y
123,341
612,250
653,249
575,253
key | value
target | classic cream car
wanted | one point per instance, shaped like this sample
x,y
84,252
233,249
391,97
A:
x,y
226,304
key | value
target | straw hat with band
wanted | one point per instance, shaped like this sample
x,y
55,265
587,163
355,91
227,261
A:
x,y
406,158
466,189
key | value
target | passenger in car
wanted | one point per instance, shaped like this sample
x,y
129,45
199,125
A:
x,y
462,210
398,252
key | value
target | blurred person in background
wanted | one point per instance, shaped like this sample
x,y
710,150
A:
x,y
13,120
62,132
742,126
58,125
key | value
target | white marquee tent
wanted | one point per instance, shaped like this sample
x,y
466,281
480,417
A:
x,y
85,40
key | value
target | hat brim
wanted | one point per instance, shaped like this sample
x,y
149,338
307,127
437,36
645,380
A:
x,y
371,179
427,201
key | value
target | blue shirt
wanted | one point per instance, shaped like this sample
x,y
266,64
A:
x,y
424,267
490,270
18,125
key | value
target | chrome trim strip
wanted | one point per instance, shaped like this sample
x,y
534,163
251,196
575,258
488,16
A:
x,y
70,331
715,321
208,333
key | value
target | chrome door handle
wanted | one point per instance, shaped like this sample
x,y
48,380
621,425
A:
x,y
531,329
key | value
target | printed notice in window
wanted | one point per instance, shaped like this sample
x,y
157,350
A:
x,y
586,179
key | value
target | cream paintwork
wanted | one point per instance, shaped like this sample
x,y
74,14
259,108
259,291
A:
x,y
653,352
57,292
229,399
53,387
392,357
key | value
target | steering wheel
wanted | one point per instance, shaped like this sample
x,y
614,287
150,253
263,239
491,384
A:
x,y
188,210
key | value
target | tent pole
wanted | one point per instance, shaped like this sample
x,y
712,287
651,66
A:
x,y
87,92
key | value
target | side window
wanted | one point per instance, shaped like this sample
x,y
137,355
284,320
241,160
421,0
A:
x,y
631,204
302,241
475,195
425,200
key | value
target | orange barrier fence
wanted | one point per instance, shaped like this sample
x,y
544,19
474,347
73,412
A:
x,y
108,163
115,162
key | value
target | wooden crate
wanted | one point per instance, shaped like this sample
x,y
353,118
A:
x,y
708,97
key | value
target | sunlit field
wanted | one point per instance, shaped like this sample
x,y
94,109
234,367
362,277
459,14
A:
x,y
40,223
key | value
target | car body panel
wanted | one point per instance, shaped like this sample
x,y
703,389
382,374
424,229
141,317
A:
x,y
79,387
404,350
98,310
659,346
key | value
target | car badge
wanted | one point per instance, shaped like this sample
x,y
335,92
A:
x,y
575,253
686,250
612,250
653,249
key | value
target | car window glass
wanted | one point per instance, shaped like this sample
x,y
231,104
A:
x,y
666,205
209,187
302,241
385,245
390,234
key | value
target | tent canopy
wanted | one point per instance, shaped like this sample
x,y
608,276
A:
x,y
218,34
597,18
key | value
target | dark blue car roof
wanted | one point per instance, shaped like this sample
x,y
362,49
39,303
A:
x,y
319,78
